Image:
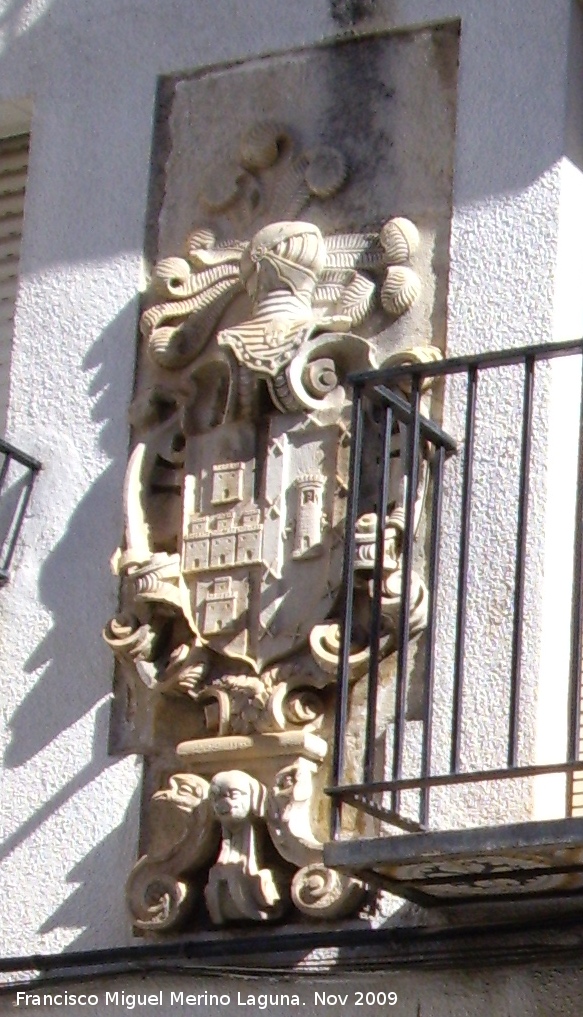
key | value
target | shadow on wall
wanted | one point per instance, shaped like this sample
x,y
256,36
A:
x,y
88,908
16,20
75,666
83,909
80,780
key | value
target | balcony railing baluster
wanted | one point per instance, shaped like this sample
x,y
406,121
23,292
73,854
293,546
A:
x,y
519,577
375,623
356,436
433,580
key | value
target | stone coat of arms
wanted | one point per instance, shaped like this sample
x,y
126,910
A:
x,y
231,566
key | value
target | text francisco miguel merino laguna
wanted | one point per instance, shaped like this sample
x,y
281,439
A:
x,y
130,1000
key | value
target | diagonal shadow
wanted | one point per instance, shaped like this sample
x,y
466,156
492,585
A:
x,y
75,598
87,908
86,775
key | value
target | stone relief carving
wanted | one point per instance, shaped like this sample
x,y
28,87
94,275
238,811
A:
x,y
238,887
288,814
182,838
234,512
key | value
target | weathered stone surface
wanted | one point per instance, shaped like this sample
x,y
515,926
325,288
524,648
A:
x,y
386,104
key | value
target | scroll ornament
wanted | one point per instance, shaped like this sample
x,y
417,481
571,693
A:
x,y
158,892
239,812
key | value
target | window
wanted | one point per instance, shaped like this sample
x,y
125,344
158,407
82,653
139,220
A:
x,y
13,173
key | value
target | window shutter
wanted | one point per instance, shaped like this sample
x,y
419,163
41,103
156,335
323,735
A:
x,y
13,173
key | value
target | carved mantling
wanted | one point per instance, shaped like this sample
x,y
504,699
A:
x,y
234,513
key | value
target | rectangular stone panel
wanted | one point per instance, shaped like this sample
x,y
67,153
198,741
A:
x,y
385,105
301,234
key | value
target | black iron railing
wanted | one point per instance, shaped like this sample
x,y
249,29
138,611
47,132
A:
x,y
392,426
18,472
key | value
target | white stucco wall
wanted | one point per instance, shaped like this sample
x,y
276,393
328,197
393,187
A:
x,y
68,811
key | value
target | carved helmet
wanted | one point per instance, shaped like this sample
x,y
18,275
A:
x,y
295,250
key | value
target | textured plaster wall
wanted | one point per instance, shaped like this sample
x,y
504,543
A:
x,y
68,812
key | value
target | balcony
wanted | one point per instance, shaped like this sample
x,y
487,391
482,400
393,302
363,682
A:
x,y
18,472
457,769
